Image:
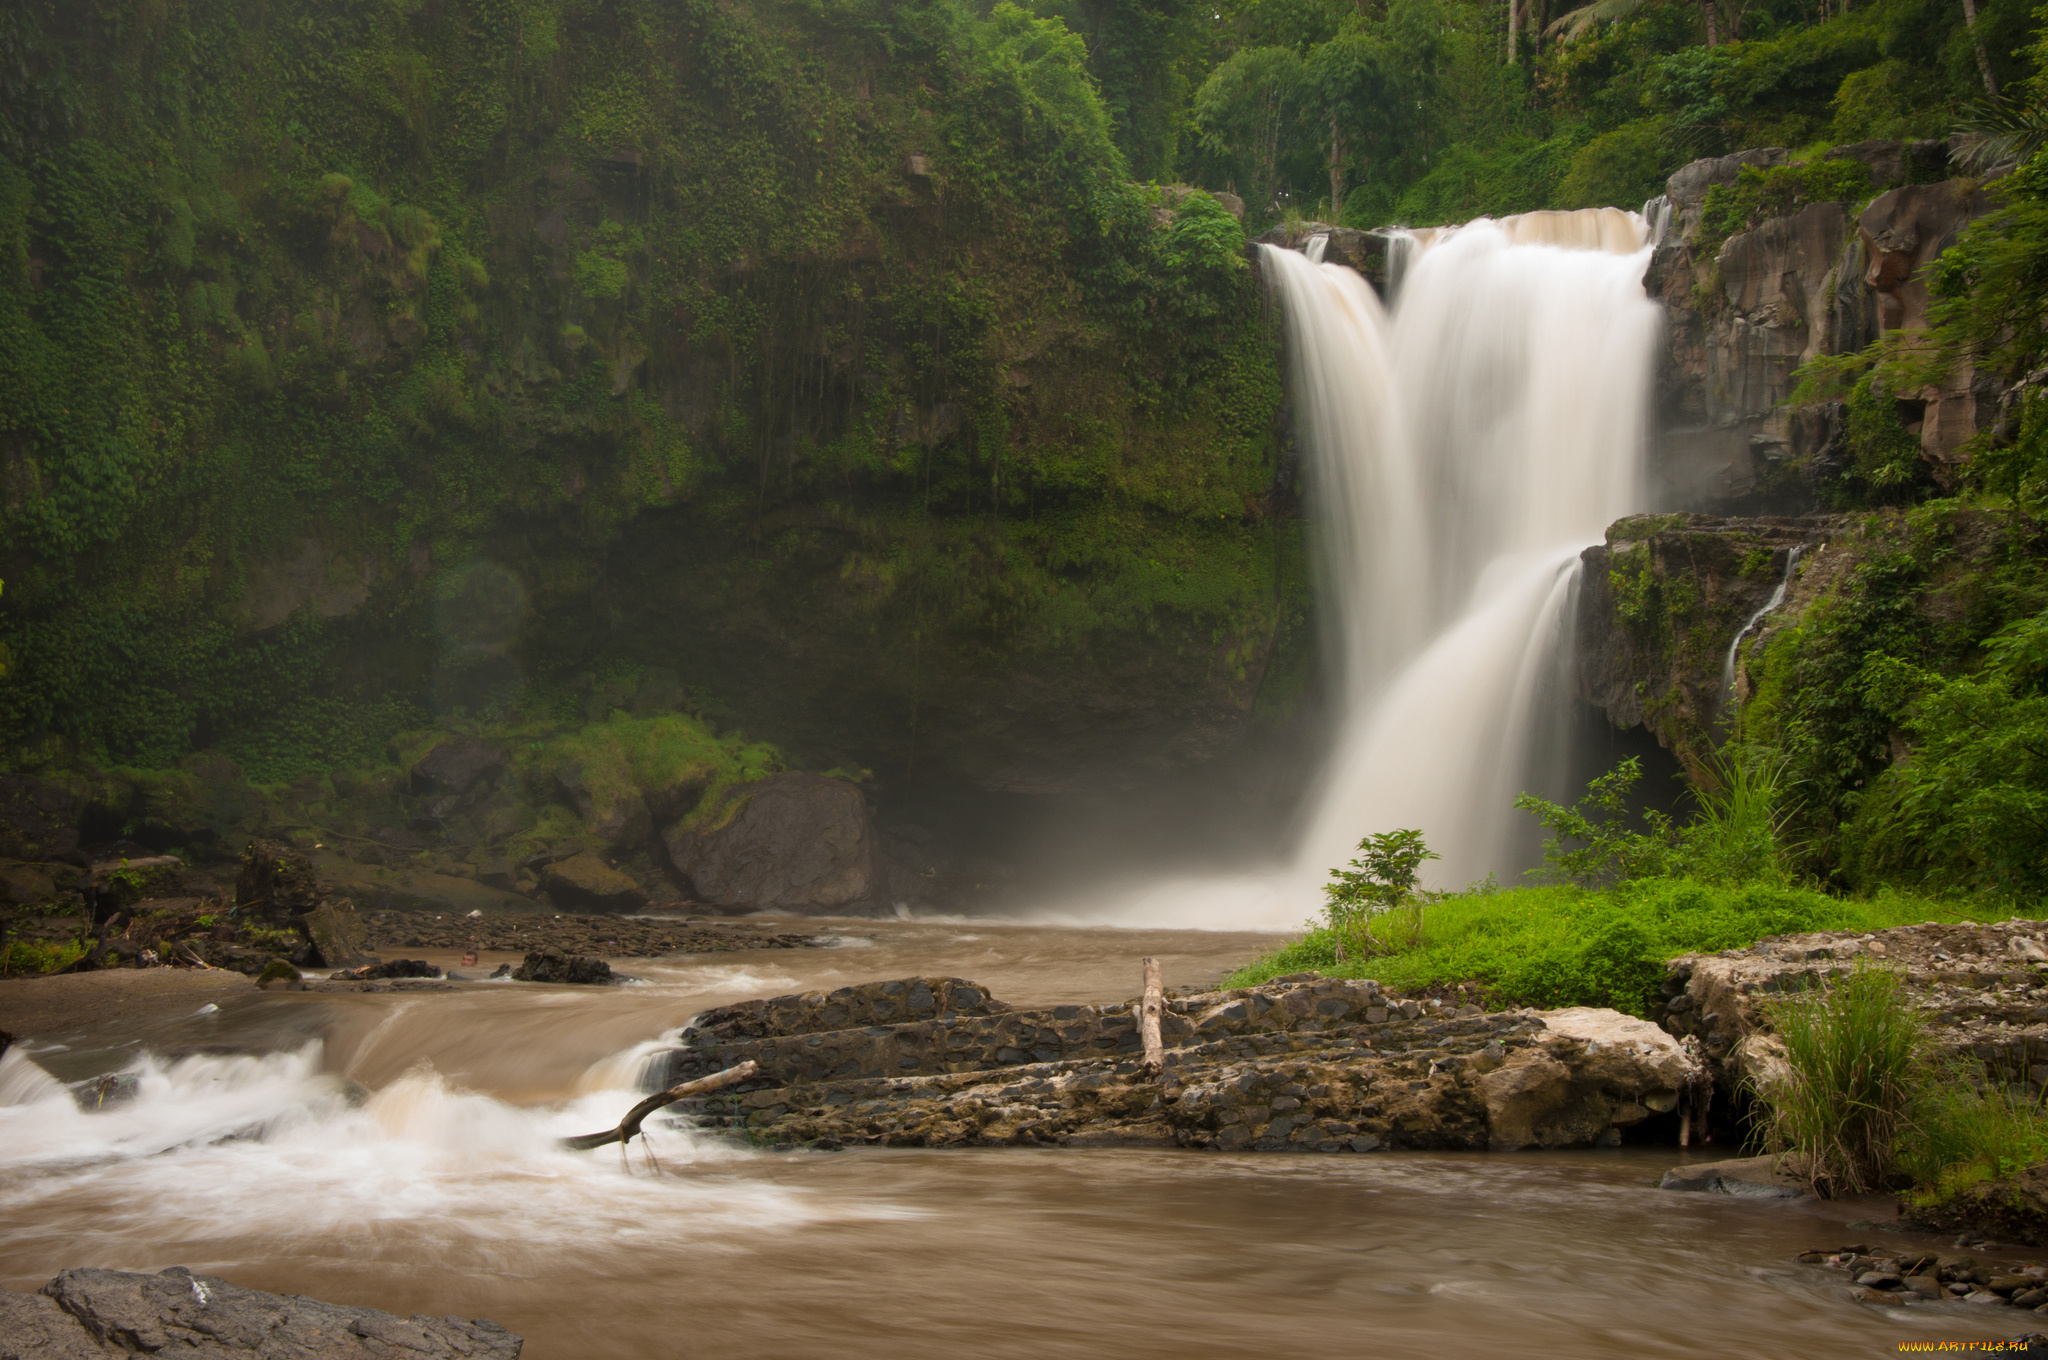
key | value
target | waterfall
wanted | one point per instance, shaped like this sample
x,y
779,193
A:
x,y
1462,450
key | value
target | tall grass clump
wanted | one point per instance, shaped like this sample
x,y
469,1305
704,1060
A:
x,y
1853,1057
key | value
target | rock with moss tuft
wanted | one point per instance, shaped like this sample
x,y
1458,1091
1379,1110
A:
x,y
586,883
790,842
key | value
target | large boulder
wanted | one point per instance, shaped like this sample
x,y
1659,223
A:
x,y
550,964
586,883
790,842
456,765
338,933
92,1314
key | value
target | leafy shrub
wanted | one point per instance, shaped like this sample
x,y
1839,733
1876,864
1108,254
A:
x,y
1624,168
1853,1053
1372,905
1971,806
1608,849
1763,192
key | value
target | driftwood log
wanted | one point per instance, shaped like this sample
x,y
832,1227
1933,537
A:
x,y
629,1127
1149,1011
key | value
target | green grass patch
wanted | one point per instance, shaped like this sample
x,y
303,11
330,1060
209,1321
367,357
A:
x,y
29,957
1573,946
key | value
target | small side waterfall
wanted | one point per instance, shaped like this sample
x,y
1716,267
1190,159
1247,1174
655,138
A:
x,y
1463,449
1735,644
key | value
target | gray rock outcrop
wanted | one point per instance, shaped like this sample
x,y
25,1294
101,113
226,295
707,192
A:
x,y
1743,314
1300,1064
790,842
92,1314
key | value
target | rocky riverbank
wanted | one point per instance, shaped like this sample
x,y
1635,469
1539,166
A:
x,y
1301,1064
90,1314
600,936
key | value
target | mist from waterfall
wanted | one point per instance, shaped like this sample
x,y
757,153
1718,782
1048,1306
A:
x,y
1461,451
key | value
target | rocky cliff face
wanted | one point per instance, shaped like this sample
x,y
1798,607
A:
x,y
1745,310
1667,606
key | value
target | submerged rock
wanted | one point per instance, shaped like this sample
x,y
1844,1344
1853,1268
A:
x,y
89,1314
1743,1177
1303,1064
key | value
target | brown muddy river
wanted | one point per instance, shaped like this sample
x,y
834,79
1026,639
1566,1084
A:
x,y
398,1151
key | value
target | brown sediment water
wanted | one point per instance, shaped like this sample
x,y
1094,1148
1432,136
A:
x,y
397,1150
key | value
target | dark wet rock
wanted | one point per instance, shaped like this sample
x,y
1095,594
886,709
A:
x,y
1296,1066
552,965
846,1008
41,884
457,765
1363,251
276,883
90,1314
337,934
394,968
585,882
790,842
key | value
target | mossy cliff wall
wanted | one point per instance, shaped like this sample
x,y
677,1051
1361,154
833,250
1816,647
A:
x,y
370,365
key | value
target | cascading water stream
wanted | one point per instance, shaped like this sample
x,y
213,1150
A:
x,y
1463,451
1735,645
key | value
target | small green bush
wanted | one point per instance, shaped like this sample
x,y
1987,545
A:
x,y
1959,1136
29,957
1372,904
1853,1053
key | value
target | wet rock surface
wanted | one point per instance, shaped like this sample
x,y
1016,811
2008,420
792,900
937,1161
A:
x,y
96,1313
797,842
1300,1064
552,965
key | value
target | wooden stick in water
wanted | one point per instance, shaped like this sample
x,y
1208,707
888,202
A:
x,y
630,1125
1149,1012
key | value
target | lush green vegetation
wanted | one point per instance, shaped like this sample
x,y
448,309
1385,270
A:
x,y
307,311
1563,945
1625,894
1426,111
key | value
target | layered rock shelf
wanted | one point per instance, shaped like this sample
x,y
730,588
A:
x,y
1303,1064
1981,989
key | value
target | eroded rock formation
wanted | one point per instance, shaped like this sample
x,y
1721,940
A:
x,y
1302,1064
1745,312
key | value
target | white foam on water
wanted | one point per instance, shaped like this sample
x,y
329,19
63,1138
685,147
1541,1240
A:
x,y
271,1147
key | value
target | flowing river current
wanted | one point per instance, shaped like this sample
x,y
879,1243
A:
x,y
398,1151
